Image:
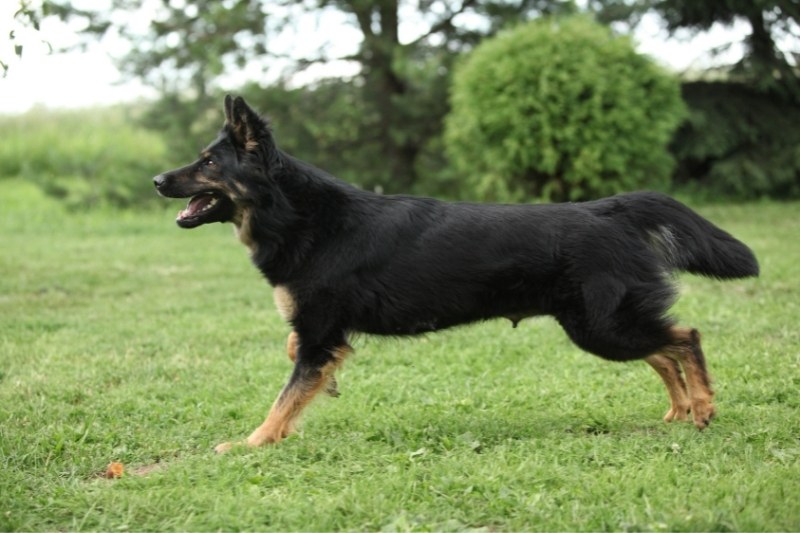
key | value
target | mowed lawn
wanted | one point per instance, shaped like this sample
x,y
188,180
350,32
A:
x,y
124,338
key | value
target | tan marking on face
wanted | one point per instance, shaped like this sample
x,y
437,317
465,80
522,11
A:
x,y
236,191
203,180
285,303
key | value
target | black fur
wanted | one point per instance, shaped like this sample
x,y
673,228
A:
x,y
355,261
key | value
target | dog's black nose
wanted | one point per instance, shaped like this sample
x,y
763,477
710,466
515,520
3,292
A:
x,y
159,181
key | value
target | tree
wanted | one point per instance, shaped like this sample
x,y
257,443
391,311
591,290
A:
x,y
738,143
191,44
26,17
766,65
740,139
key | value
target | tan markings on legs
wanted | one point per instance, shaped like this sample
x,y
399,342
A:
x,y
687,351
284,303
291,402
331,388
291,346
670,372
293,399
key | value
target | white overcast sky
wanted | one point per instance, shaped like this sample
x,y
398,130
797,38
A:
x,y
90,78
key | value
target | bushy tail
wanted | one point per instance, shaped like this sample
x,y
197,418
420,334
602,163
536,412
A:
x,y
687,241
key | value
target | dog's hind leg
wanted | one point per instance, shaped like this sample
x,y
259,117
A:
x,y
663,346
685,348
312,372
670,372
332,388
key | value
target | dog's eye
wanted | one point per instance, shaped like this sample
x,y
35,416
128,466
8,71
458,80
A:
x,y
209,163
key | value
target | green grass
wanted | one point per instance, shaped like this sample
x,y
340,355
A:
x,y
123,338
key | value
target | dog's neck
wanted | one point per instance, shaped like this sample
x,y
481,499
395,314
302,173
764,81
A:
x,y
282,227
243,230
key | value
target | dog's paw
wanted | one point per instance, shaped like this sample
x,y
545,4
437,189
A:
x,y
676,413
702,413
224,447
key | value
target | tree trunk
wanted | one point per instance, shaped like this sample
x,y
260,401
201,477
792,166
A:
x,y
385,88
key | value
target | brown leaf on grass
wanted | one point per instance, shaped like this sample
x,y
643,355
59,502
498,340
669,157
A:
x,y
114,470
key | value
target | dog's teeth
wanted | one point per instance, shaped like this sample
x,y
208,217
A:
x,y
209,205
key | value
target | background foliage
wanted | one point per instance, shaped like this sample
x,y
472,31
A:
x,y
189,46
85,158
381,126
541,111
738,142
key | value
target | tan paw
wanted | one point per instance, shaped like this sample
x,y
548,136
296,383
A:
x,y
703,412
677,413
224,447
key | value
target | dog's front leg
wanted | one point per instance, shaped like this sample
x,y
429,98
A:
x,y
313,370
292,343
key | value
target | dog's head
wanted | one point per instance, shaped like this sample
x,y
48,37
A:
x,y
222,182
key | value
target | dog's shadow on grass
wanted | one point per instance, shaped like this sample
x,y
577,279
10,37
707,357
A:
x,y
487,429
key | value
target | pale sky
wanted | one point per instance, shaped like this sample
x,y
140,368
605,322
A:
x,y
90,78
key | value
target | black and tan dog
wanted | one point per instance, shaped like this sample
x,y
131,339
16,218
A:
x,y
344,260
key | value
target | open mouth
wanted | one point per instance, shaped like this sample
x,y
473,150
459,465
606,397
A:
x,y
203,208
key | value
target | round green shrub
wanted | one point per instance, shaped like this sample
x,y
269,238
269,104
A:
x,y
561,109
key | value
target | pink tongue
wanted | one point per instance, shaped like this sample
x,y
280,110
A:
x,y
196,204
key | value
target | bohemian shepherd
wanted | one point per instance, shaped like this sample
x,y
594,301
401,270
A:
x,y
343,260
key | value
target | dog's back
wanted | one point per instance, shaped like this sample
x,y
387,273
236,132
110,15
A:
x,y
424,265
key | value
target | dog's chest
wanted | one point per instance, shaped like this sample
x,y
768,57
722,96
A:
x,y
284,303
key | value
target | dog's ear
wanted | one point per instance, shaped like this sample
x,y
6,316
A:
x,y
247,127
244,124
228,108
